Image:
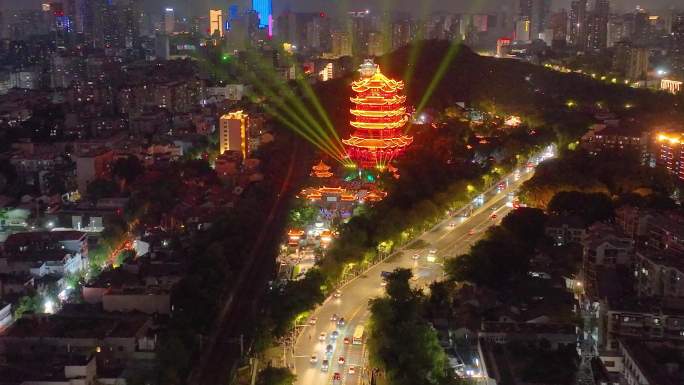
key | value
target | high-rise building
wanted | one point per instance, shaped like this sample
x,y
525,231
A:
x,y
631,60
523,29
618,30
402,33
376,46
641,29
341,44
559,28
216,22
264,9
318,33
233,133
668,152
169,21
637,67
537,12
597,25
677,49
578,24
161,47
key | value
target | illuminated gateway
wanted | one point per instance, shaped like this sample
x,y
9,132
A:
x,y
379,118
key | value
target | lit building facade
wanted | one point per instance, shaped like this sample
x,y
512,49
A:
x,y
668,152
379,118
671,86
264,8
215,22
233,133
169,21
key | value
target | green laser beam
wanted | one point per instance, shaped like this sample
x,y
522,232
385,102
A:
x,y
439,75
285,91
316,141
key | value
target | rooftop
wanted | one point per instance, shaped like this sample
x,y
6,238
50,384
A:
x,y
659,363
668,257
82,326
26,238
527,328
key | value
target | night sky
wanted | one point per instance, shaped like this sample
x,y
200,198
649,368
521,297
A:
x,y
333,6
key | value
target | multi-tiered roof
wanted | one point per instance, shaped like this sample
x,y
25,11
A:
x,y
379,118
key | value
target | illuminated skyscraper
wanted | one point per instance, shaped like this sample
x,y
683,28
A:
x,y
216,22
233,133
578,24
264,8
169,21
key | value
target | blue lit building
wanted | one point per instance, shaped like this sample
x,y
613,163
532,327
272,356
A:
x,y
264,9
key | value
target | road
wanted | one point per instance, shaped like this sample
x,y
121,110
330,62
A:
x,y
450,238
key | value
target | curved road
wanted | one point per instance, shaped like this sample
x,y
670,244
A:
x,y
450,238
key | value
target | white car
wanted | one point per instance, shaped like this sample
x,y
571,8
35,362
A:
x,y
432,251
337,294
321,337
451,225
415,256
313,359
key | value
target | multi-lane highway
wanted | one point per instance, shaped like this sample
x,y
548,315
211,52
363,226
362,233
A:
x,y
448,239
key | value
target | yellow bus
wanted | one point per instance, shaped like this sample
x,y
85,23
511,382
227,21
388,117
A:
x,y
358,335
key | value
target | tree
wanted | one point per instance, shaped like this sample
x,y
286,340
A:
x,y
591,207
276,376
27,304
400,340
527,224
101,188
497,261
128,169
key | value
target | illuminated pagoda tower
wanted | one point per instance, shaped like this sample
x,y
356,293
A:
x,y
379,118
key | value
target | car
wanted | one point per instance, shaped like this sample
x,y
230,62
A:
x,y
312,320
340,360
383,283
329,349
334,334
451,225
337,294
415,256
321,337
493,216
333,318
471,231
337,377
414,278
324,365
341,322
313,359
347,341
352,369
433,251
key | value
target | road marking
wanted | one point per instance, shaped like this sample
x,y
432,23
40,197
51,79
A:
x,y
498,200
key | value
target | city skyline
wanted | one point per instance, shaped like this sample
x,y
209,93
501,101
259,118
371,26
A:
x,y
334,7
